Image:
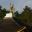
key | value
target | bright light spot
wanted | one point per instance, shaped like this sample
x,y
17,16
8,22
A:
x,y
8,15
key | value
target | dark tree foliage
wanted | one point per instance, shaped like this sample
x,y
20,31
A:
x,y
0,7
16,13
2,13
25,18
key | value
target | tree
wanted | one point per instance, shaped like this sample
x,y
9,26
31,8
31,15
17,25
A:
x,y
16,13
2,13
25,16
0,7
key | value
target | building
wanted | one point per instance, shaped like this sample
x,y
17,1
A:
x,y
11,13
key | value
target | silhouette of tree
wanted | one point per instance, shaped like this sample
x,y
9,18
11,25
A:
x,y
0,7
16,13
25,16
2,13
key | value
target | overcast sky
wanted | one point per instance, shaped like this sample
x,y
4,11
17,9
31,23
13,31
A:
x,y
19,4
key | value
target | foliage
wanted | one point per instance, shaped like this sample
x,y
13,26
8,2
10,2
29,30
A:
x,y
16,13
2,13
25,16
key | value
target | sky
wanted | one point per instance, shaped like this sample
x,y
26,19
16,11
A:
x,y
19,4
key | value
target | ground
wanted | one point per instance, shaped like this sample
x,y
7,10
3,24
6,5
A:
x,y
8,26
